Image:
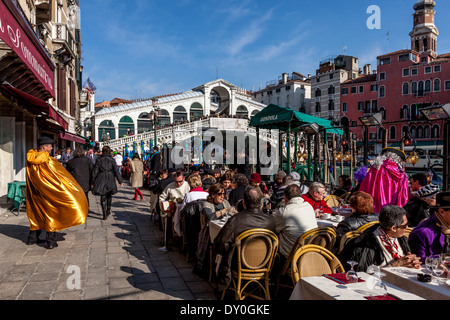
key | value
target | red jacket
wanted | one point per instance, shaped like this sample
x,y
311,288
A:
x,y
316,204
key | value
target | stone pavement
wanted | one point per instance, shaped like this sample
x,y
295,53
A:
x,y
113,259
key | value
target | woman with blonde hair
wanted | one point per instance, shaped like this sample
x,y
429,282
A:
x,y
196,192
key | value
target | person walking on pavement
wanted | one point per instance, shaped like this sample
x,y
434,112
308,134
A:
x,y
80,167
104,184
55,200
66,156
92,156
136,178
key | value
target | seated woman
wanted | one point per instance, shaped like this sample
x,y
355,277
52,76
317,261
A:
x,y
345,185
215,206
362,213
196,192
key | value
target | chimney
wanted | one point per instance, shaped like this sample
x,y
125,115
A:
x,y
284,78
367,69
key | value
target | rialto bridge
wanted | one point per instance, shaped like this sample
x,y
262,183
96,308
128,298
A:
x,y
183,111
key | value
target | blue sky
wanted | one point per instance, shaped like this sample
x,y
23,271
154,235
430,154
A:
x,y
145,48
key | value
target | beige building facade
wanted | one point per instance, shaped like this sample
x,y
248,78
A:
x,y
40,79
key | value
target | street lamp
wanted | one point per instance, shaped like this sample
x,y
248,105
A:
x,y
368,121
442,112
154,116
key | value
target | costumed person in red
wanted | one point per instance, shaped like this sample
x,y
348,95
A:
x,y
386,181
55,200
315,197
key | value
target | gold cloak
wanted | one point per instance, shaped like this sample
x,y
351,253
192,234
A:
x,y
55,200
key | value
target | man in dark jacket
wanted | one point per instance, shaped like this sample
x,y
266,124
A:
x,y
418,207
155,163
80,167
382,245
252,217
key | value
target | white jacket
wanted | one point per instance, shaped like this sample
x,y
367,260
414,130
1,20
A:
x,y
292,221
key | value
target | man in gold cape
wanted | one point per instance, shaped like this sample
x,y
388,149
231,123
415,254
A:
x,y
55,201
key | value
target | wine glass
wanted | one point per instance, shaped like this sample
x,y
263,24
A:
x,y
438,269
379,284
352,276
429,261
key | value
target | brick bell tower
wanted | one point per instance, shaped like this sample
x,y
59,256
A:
x,y
424,34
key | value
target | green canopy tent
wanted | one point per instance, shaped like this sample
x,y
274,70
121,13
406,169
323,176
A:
x,y
288,120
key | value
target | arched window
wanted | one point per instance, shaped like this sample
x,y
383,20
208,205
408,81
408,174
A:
x,y
318,109
106,130
318,92
428,86
380,133
404,112
405,88
392,133
179,114
242,111
382,92
421,89
426,132
164,118
419,132
414,112
437,85
126,126
414,87
435,132
331,105
413,131
144,123
196,111
331,89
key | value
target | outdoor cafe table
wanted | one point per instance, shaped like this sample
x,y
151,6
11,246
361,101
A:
x,y
406,278
322,288
15,192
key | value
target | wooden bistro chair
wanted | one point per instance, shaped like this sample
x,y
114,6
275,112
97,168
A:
x,y
345,197
347,237
254,252
313,260
408,231
324,237
333,201
366,226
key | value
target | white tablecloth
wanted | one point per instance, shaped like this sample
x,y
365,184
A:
x,y
406,278
322,288
325,223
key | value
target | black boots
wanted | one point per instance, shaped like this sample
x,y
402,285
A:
x,y
106,206
33,238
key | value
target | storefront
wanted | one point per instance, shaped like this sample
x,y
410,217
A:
x,y
26,84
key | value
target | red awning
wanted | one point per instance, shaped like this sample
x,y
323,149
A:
x,y
18,35
72,137
35,105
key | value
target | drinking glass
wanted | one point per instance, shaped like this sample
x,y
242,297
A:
x,y
352,276
438,269
429,261
379,284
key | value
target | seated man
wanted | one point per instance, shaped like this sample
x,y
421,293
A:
x,y
294,219
382,245
250,218
418,207
278,196
427,239
315,196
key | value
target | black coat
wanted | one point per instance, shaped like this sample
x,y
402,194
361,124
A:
x,y
417,210
367,251
104,175
155,164
81,169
